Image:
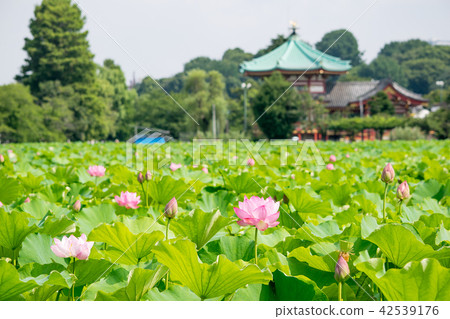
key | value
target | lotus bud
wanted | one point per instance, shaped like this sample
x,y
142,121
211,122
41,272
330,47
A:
x,y
388,174
171,208
403,191
140,178
250,162
148,176
77,206
27,200
332,158
341,271
2,159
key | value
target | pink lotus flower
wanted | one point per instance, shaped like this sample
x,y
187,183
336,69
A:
x,y
347,155
128,200
388,174
341,271
72,247
27,200
2,159
194,166
205,170
171,209
403,191
332,158
96,171
77,206
259,212
250,162
10,151
330,166
1,204
174,166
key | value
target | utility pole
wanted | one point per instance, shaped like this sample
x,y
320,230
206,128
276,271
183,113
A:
x,y
441,84
214,120
245,87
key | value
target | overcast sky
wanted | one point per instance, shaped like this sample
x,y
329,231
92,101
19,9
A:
x,y
161,35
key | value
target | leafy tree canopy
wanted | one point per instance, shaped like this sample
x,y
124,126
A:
x,y
345,48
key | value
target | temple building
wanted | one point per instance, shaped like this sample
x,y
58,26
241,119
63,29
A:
x,y
300,63
353,97
309,69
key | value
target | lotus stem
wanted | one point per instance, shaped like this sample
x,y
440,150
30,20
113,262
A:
x,y
400,207
340,291
256,246
145,195
72,259
384,202
167,238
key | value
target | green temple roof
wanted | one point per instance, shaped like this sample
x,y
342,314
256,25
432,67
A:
x,y
295,55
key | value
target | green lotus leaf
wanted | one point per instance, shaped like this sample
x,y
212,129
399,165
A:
x,y
36,249
293,288
10,190
128,248
91,217
140,281
10,284
401,246
424,280
199,226
323,263
14,229
306,204
206,281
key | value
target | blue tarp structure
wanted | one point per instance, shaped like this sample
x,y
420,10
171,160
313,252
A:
x,y
150,140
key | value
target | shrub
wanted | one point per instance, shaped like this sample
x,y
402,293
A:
x,y
406,133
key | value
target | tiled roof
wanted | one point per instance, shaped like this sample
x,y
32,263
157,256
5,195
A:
x,y
344,93
295,55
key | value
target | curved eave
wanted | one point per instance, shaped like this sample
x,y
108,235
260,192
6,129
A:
x,y
293,72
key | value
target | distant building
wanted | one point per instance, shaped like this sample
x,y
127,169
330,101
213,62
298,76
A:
x,y
298,62
353,97
309,69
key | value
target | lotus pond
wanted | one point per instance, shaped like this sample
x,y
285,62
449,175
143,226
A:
x,y
77,223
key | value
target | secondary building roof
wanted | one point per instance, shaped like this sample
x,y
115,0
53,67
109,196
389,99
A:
x,y
344,93
295,56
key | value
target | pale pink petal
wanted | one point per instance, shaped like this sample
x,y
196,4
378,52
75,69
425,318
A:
x,y
242,214
261,225
272,218
260,213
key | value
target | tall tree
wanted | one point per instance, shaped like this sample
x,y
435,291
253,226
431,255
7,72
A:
x,y
276,118
380,103
20,118
118,96
205,90
345,48
58,49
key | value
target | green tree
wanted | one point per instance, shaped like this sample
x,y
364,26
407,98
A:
x,y
345,48
380,104
58,49
276,119
20,118
439,122
120,99
203,91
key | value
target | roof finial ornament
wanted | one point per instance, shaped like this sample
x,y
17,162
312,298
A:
x,y
293,26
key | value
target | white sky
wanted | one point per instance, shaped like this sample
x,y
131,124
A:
x,y
162,35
